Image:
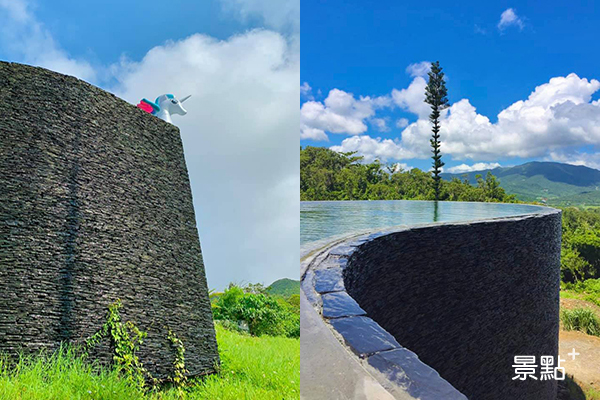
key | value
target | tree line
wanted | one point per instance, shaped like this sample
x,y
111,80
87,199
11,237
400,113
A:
x,y
329,175
580,251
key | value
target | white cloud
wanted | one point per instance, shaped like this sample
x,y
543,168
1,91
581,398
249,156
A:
x,y
412,98
306,91
419,69
380,124
25,38
480,30
374,148
591,160
276,14
240,133
470,168
339,113
17,9
240,144
401,167
401,123
342,113
510,18
312,133
557,114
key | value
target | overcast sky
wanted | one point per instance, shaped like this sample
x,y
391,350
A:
x,y
522,80
239,59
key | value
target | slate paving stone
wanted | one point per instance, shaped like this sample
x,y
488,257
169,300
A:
x,y
404,368
356,242
363,335
377,235
329,280
309,289
334,261
340,304
342,250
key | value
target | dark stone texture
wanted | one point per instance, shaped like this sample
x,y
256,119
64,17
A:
x,y
403,367
95,206
329,280
467,298
340,304
363,335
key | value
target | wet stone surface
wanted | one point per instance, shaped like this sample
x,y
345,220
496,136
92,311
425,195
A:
x,y
329,280
342,250
340,304
308,288
363,335
333,261
404,368
357,241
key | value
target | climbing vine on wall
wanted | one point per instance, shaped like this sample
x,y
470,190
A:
x,y
179,372
126,339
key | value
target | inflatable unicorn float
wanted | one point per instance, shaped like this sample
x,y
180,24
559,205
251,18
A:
x,y
164,106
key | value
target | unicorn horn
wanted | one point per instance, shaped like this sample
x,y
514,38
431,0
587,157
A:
x,y
185,98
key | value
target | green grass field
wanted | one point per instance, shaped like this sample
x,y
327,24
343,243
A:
x,y
251,368
588,290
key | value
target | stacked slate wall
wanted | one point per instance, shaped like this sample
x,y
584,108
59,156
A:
x,y
95,206
467,298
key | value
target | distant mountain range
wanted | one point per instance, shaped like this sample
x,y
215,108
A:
x,y
284,287
550,182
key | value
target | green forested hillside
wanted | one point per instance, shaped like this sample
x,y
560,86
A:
x,y
555,183
327,175
284,287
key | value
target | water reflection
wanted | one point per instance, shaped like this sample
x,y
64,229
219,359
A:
x,y
322,219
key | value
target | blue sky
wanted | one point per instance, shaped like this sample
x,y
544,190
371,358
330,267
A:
x,y
239,59
495,54
105,30
102,32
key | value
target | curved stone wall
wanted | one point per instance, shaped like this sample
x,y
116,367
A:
x,y
467,298
95,206
464,297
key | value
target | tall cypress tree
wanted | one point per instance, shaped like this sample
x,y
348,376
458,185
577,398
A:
x,y
435,96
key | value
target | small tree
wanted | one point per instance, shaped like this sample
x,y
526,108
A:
x,y
435,96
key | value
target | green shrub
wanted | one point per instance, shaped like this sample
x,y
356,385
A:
x,y
573,267
589,289
580,252
264,314
581,319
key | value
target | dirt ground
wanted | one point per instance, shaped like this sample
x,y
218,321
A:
x,y
585,368
569,304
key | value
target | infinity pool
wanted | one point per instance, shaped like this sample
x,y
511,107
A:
x,y
323,219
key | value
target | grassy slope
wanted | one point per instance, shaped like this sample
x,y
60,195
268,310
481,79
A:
x,y
252,368
284,287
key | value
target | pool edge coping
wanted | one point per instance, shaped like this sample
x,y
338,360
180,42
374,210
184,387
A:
x,y
311,260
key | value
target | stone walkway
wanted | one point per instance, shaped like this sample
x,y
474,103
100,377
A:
x,y
327,370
